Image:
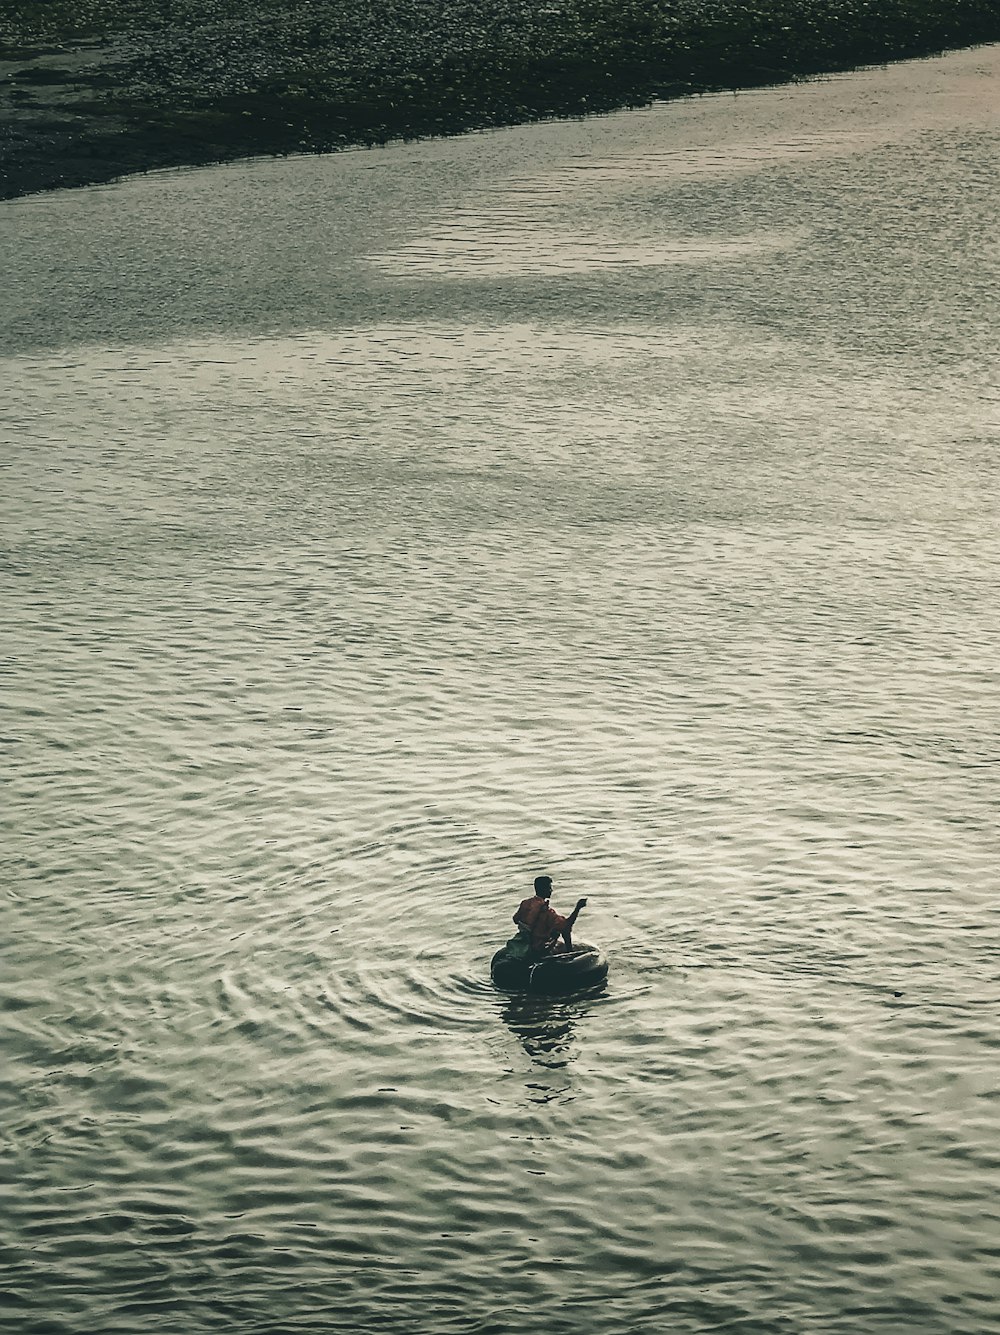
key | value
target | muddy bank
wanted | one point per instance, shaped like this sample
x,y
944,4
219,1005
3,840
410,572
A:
x,y
99,89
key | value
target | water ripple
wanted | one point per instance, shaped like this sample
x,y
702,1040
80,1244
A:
x,y
615,500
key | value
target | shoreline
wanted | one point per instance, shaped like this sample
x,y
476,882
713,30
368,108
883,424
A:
x,y
94,108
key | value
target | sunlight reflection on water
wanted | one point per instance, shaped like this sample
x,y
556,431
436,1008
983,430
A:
x,y
612,498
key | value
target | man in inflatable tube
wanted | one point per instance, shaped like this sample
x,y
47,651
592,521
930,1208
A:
x,y
539,927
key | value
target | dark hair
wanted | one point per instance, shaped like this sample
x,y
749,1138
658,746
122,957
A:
x,y
543,885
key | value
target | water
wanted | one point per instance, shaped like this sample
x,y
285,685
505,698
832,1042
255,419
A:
x,y
613,499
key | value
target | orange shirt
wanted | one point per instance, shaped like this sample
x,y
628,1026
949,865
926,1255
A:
x,y
541,921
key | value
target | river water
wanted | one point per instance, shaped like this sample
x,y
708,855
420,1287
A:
x,y
615,499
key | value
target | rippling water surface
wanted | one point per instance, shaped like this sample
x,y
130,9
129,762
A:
x,y
616,499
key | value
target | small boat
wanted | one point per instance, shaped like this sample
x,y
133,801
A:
x,y
565,971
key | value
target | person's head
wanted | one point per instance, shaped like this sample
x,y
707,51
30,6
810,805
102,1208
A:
x,y
543,886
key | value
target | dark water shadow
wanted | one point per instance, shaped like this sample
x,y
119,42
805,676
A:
x,y
546,1026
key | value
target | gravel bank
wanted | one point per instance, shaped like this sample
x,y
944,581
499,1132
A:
x,y
91,90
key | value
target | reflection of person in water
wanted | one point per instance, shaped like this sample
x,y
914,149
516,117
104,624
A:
x,y
539,926
545,1030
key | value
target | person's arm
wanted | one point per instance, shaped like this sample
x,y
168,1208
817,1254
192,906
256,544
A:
x,y
567,931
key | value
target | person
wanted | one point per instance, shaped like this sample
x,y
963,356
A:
x,y
539,926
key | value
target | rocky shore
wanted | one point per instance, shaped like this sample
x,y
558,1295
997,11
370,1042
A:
x,y
92,90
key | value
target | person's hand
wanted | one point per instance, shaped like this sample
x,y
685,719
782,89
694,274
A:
x,y
581,903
